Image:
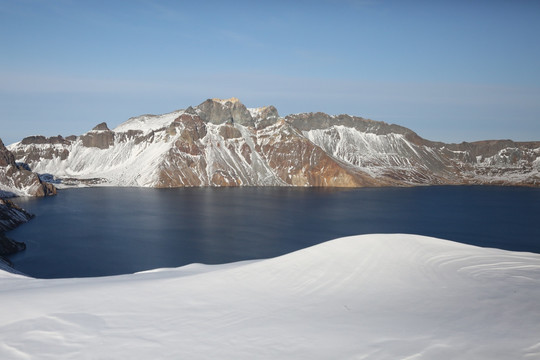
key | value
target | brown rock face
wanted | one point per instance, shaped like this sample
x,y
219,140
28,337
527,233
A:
x,y
35,151
266,116
6,157
185,161
225,178
44,140
194,128
15,178
47,189
299,162
24,180
100,137
101,127
229,132
218,111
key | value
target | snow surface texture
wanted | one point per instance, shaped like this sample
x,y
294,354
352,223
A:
x,y
362,297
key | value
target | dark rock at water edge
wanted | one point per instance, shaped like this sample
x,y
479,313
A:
x,y
11,216
9,246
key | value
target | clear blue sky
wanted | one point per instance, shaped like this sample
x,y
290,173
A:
x,y
450,70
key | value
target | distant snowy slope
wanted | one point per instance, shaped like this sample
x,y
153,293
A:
x,y
371,296
379,154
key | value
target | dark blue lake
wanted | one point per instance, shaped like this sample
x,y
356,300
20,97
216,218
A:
x,y
107,231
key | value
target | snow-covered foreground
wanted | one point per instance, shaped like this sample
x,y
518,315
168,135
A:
x,y
363,297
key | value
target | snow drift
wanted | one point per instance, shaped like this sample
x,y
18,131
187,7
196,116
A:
x,y
371,296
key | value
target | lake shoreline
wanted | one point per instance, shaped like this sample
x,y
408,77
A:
x,y
138,229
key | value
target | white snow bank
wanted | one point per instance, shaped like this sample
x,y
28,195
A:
x,y
372,296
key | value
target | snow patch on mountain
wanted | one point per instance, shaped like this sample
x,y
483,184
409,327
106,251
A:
x,y
148,123
124,164
373,153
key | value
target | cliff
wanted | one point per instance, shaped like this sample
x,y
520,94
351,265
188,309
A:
x,y
16,180
11,216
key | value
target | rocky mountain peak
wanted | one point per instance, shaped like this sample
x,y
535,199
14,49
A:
x,y
101,127
100,137
263,112
232,100
217,111
264,116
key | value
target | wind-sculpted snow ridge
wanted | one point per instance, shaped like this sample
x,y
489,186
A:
x,y
372,296
223,143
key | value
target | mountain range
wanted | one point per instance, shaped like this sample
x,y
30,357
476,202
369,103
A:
x,y
224,143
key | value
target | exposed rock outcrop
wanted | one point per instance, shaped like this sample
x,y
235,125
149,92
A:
x,y
17,180
100,137
264,116
217,111
6,157
11,216
223,143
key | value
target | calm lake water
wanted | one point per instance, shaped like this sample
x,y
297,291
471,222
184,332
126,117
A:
x,y
107,231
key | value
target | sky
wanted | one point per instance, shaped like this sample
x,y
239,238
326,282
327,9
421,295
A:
x,y
451,71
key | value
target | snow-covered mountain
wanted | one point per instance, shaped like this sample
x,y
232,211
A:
x,y
223,143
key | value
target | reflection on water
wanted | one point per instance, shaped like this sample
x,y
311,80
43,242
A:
x,y
106,231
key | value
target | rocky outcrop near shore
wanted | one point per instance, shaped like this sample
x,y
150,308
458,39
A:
x,y
18,180
224,143
11,216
